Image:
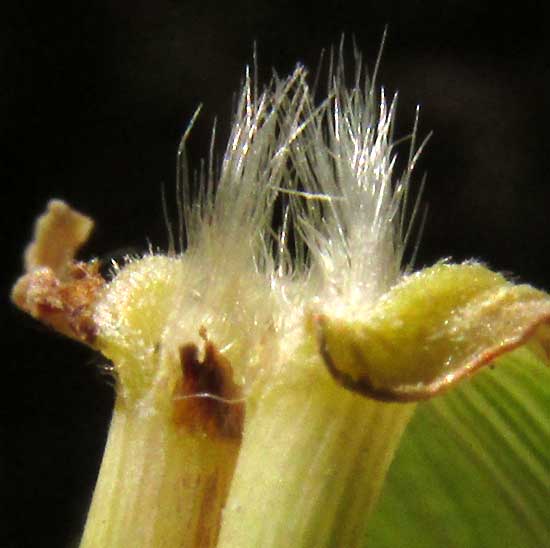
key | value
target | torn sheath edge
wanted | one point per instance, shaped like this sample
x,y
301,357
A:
x,y
55,289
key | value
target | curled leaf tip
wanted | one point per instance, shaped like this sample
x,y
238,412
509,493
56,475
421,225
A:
x,y
433,329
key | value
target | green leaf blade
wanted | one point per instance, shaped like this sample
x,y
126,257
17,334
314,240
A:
x,y
473,468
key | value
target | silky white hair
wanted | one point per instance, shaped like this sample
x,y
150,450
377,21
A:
x,y
331,165
326,170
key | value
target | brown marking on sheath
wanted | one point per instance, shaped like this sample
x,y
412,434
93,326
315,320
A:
x,y
208,526
56,289
204,402
213,490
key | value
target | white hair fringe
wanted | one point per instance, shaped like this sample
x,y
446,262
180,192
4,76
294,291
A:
x,y
324,173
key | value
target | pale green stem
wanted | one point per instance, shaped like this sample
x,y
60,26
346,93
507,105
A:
x,y
311,466
158,485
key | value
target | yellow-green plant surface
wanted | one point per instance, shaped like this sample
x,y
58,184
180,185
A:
x,y
264,387
473,468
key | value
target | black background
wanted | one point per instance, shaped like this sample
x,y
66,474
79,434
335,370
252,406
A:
x,y
93,99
